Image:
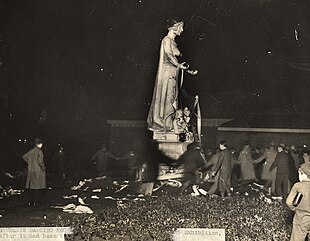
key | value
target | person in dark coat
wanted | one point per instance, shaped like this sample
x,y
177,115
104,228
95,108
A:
x,y
192,159
224,167
101,160
36,176
134,162
282,163
293,173
60,162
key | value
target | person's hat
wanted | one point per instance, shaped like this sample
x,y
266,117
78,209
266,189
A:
x,y
272,144
246,143
305,168
38,140
281,145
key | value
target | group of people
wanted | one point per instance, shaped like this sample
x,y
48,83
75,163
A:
x,y
282,166
36,167
275,167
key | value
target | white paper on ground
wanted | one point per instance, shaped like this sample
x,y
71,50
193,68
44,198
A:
x,y
124,186
97,190
70,197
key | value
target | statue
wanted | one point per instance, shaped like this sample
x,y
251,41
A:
x,y
162,114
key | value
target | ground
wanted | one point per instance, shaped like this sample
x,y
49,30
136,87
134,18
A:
x,y
244,217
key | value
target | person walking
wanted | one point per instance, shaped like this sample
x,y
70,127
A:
x,y
224,167
192,159
246,165
268,176
36,175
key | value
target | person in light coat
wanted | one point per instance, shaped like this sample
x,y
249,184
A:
x,y
247,165
269,177
36,176
298,201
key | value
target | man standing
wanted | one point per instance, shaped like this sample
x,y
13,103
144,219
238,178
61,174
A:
x,y
282,162
224,167
134,162
60,161
36,176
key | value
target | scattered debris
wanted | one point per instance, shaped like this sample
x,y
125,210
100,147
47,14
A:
x,y
101,178
122,187
79,209
108,197
97,190
174,183
81,201
195,190
267,200
79,186
94,197
70,197
255,189
258,185
68,206
12,192
9,175
202,191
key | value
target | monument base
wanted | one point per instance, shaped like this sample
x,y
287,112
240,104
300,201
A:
x,y
169,144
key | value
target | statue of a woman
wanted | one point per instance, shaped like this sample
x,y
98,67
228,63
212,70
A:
x,y
165,94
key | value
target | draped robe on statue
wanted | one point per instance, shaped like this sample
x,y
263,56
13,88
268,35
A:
x,y
165,94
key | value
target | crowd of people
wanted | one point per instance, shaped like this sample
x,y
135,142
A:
x,y
281,169
275,167
285,173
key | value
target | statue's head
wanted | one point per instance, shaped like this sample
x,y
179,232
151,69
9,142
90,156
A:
x,y
176,25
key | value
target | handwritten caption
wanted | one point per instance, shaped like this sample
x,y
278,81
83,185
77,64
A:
x,y
199,234
34,233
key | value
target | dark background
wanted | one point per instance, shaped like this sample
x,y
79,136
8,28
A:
x,y
67,66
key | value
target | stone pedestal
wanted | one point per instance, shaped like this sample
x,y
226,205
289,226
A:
x,y
169,144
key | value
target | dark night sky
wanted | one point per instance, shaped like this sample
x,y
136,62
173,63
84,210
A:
x,y
94,60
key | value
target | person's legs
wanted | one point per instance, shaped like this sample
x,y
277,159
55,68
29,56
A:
x,y
188,180
37,196
268,184
31,196
214,187
285,185
279,184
